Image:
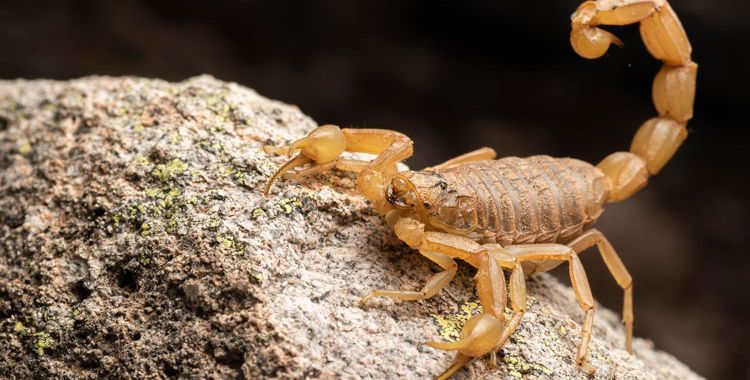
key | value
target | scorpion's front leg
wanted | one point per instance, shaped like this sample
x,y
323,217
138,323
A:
x,y
439,247
486,331
475,338
434,284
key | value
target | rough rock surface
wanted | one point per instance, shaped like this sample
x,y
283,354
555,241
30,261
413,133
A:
x,y
134,243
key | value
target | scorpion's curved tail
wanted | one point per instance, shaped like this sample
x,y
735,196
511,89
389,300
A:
x,y
673,90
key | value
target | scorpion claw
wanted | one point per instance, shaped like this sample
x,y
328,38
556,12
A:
x,y
480,335
322,146
289,165
270,149
449,346
460,361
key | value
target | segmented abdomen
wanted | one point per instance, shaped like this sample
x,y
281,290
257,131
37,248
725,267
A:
x,y
539,199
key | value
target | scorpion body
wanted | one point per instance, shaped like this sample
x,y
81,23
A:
x,y
523,215
539,199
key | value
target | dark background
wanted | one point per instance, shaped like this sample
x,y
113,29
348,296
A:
x,y
459,75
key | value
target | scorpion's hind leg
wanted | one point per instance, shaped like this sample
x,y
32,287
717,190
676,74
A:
x,y
578,279
616,267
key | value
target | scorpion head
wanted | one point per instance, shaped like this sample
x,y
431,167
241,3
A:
x,y
433,200
402,194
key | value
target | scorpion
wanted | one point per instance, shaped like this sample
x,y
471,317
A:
x,y
521,215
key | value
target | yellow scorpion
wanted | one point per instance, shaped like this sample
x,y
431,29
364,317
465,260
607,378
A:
x,y
524,215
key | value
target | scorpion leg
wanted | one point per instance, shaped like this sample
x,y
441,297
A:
x,y
475,155
536,252
434,284
491,289
483,332
517,285
616,267
436,246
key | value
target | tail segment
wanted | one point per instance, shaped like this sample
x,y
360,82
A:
x,y
673,90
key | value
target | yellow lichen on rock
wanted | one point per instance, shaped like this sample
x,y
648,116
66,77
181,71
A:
x,y
172,169
449,325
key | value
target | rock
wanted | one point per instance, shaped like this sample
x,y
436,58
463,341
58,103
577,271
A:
x,y
134,243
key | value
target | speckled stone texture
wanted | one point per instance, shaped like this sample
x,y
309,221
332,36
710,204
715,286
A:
x,y
134,243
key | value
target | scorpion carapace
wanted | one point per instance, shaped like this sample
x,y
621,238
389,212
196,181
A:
x,y
524,215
